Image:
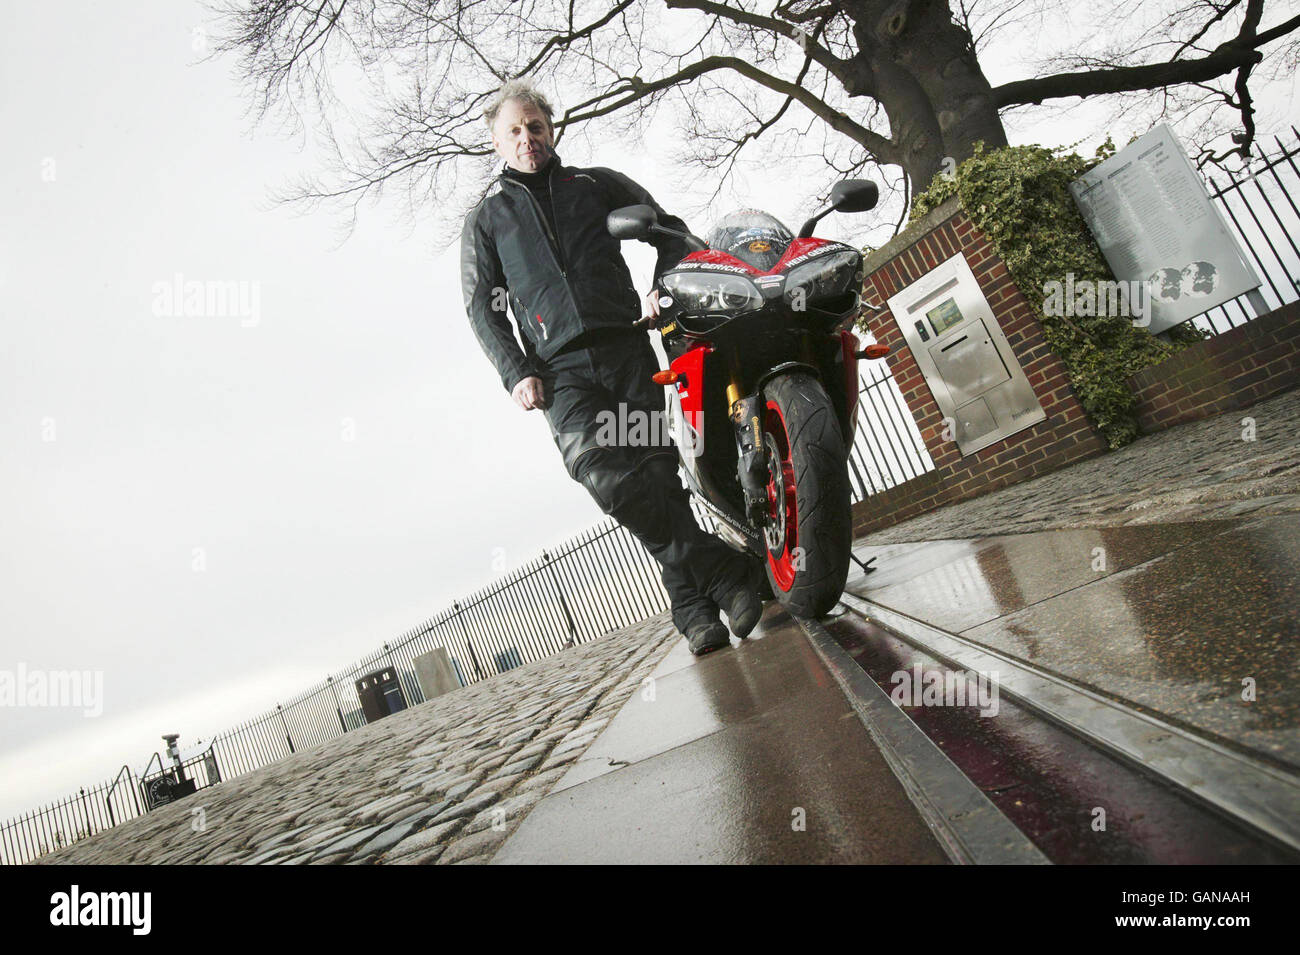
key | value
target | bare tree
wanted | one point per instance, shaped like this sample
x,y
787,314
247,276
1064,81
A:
x,y
396,88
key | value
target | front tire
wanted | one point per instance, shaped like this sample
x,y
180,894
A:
x,y
811,530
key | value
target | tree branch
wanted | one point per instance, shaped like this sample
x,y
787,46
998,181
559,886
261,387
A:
x,y
1219,14
1126,79
1239,53
837,67
637,88
566,39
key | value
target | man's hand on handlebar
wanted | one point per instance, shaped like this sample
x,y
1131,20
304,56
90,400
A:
x,y
529,394
650,314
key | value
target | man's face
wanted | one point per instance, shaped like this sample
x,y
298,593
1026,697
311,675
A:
x,y
522,136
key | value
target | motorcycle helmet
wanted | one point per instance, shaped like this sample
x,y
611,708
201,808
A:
x,y
754,237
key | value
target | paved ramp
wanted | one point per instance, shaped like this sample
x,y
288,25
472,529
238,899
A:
x,y
746,755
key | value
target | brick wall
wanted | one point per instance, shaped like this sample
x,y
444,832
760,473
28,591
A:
x,y
1225,373
1065,436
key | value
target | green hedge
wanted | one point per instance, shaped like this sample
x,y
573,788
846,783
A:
x,y
1019,196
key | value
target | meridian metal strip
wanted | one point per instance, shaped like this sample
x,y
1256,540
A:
x,y
965,822
1244,789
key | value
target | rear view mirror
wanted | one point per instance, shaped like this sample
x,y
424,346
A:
x,y
854,195
631,222
850,195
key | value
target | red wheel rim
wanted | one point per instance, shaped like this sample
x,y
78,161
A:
x,y
781,501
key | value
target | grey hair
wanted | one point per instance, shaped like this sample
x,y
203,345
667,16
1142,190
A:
x,y
523,91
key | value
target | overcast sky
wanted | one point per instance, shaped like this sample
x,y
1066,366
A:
x,y
215,512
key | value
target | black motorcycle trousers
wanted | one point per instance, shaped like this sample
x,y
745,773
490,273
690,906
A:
x,y
607,418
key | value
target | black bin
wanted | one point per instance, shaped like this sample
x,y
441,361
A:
x,y
380,694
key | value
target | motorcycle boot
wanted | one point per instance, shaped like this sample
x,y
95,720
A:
x,y
743,610
706,637
729,578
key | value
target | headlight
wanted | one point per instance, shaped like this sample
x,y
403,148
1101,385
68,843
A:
x,y
823,279
713,292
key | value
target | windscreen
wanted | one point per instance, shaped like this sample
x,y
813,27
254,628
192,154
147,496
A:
x,y
754,237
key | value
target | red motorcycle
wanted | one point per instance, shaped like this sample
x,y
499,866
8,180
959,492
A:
x,y
763,386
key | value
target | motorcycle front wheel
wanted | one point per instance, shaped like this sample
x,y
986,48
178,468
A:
x,y
810,528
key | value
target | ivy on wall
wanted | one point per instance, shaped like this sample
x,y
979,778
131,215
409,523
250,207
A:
x,y
1019,196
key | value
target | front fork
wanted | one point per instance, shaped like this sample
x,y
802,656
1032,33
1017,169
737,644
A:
x,y
747,415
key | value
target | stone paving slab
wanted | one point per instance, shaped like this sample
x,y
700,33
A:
x,y
442,782
1240,462
752,755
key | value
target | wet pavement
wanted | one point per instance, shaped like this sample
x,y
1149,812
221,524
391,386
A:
x,y
630,750
747,755
1165,576
1182,620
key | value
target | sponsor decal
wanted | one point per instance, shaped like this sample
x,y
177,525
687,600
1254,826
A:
x,y
826,249
712,267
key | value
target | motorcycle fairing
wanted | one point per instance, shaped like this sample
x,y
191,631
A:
x,y
799,251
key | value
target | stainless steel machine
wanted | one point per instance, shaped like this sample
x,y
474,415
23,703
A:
x,y
964,356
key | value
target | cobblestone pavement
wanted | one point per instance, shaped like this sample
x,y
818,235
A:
x,y
1200,471
442,782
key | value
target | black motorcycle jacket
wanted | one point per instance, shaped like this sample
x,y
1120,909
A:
x,y
559,282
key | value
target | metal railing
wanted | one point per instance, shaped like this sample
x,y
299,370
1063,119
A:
x,y
888,448
62,823
598,581
1262,214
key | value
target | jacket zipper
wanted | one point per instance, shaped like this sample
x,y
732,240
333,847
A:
x,y
523,311
550,192
554,243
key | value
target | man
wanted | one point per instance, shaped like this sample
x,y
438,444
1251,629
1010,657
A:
x,y
538,240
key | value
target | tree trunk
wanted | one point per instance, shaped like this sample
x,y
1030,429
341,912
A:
x,y
921,67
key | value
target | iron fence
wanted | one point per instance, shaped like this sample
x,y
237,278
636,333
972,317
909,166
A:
x,y
598,581
888,448
1260,209
93,809
61,823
